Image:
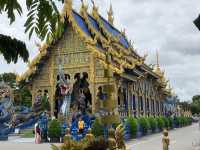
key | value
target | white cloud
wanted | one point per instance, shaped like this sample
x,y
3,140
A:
x,y
153,25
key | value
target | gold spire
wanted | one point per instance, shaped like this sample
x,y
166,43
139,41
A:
x,y
110,15
157,68
67,8
94,10
157,60
83,8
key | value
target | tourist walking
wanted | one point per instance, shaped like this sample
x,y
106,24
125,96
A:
x,y
37,134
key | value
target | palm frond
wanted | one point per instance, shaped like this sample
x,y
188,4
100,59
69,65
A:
x,y
43,19
9,6
12,49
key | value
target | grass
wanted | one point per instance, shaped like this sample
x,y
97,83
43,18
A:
x,y
27,134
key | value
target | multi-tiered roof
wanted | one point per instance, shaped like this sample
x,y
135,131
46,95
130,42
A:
x,y
104,40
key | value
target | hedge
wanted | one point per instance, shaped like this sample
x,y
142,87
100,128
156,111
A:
x,y
170,122
160,123
144,124
152,123
133,125
166,122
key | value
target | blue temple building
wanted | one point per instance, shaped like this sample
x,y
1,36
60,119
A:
x,y
92,44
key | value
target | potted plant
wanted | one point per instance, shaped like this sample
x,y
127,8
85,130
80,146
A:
x,y
54,131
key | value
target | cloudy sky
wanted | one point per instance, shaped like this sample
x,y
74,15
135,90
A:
x,y
163,25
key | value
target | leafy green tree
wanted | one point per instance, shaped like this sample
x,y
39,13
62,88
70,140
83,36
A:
x,y
195,105
22,96
196,99
9,78
25,97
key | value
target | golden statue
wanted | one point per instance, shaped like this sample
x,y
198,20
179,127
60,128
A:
x,y
112,144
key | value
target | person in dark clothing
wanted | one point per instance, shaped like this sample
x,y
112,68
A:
x,y
45,101
86,90
58,97
75,89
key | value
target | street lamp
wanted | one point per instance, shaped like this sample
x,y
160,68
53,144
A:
x,y
197,22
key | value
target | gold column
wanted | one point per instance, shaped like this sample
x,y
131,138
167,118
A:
x,y
52,83
110,104
92,80
129,100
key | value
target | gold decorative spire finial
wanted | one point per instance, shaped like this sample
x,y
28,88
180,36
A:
x,y
157,59
157,69
110,15
94,10
123,32
67,8
83,8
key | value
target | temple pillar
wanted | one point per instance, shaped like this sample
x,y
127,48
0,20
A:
x,y
33,96
159,104
150,108
52,77
144,105
153,106
92,82
129,100
151,101
137,105
157,108
134,106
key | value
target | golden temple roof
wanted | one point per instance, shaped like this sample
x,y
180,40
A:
x,y
99,35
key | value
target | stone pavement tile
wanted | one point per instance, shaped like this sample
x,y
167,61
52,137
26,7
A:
x,y
24,146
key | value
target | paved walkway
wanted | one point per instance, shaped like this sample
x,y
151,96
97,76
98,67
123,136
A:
x,y
17,143
180,139
186,138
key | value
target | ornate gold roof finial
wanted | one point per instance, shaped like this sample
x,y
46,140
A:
x,y
83,8
110,15
94,10
157,59
123,32
67,8
157,69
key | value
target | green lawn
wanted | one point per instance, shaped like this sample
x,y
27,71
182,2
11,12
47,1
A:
x,y
27,134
